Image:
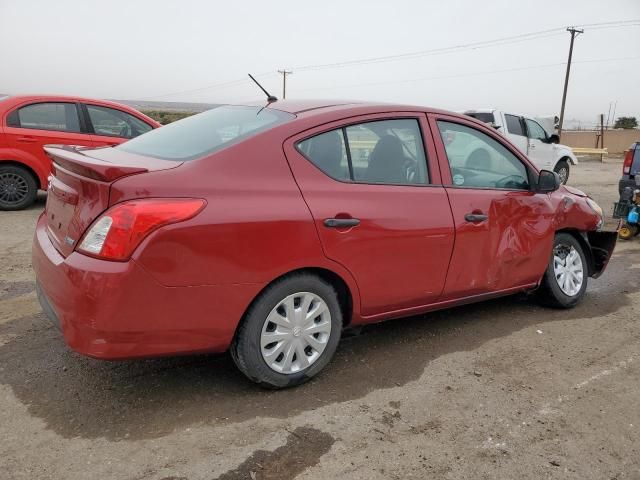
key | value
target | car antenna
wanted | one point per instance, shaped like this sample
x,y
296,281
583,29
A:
x,y
270,98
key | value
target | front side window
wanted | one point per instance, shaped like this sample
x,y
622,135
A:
x,y
115,123
388,152
536,131
514,125
59,116
199,135
479,161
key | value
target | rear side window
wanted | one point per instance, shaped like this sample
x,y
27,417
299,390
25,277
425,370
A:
x,y
514,125
486,117
115,123
57,116
205,133
388,152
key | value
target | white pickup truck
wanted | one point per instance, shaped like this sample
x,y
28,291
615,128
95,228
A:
x,y
530,137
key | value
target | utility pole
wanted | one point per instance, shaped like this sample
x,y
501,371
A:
x,y
574,32
284,81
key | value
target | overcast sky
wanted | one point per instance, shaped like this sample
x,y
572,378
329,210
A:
x,y
169,50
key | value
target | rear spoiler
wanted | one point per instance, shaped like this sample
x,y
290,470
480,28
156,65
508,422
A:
x,y
73,159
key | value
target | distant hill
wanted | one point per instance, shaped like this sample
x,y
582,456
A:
x,y
168,106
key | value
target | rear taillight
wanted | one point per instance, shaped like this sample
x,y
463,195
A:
x,y
628,160
119,230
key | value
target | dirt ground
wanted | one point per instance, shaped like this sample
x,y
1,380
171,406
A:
x,y
504,389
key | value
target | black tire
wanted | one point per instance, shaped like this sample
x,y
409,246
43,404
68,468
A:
x,y
562,169
550,293
18,188
246,350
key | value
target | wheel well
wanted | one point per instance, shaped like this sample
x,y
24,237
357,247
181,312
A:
x,y
25,167
584,243
344,294
567,160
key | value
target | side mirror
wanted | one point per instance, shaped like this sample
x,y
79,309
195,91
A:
x,y
554,138
548,181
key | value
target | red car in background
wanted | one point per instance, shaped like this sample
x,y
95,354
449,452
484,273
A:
x,y
265,230
28,123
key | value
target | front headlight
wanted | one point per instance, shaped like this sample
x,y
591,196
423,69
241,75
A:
x,y
594,206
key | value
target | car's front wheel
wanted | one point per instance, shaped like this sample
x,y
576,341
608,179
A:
x,y
562,169
18,188
565,280
290,332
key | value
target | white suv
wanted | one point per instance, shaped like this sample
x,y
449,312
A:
x,y
531,138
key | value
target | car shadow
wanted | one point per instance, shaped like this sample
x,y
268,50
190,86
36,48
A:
x,y
81,397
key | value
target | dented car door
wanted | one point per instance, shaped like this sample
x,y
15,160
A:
x,y
503,230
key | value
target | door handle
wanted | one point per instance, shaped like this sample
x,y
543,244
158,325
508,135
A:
x,y
476,217
341,222
26,139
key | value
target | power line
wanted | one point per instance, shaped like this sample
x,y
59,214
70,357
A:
x,y
411,55
219,86
475,45
435,51
464,75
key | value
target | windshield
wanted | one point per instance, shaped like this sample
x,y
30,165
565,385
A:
x,y
202,134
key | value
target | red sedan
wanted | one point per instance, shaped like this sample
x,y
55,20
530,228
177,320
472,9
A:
x,y
266,230
28,123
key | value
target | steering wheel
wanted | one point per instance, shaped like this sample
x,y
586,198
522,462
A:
x,y
512,181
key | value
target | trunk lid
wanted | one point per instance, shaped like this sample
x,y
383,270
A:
x,y
80,184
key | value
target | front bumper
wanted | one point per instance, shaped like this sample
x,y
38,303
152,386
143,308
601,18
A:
x,y
116,310
602,244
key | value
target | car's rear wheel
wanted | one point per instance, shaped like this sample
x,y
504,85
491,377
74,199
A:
x,y
565,280
562,169
290,332
18,188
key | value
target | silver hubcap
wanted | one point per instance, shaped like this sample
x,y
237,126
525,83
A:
x,y
567,266
295,333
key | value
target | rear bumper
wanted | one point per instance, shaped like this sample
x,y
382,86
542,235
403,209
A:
x,y
116,310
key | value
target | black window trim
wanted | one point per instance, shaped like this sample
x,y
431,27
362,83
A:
x,y
343,129
15,116
89,123
531,174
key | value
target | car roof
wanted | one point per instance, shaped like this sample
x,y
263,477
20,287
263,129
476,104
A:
x,y
308,108
11,101
16,99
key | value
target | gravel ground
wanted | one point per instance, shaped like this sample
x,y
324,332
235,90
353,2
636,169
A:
x,y
503,389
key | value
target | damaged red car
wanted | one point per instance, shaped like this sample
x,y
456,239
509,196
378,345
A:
x,y
266,230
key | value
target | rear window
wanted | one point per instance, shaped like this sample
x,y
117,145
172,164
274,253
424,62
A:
x,y
202,134
486,117
514,125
